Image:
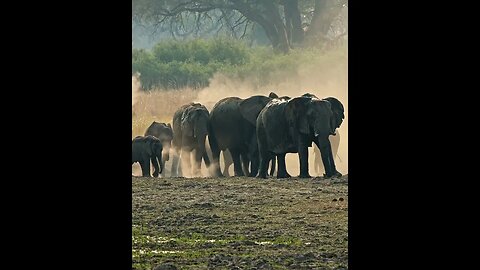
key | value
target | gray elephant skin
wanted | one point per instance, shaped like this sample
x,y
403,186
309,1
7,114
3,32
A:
x,y
335,143
190,129
164,133
290,126
146,149
232,128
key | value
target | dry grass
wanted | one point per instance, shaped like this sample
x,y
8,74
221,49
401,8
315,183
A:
x,y
158,106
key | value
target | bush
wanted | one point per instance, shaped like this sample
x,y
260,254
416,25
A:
x,y
180,64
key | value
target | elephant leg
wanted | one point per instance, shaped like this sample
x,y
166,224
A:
x,y
215,170
320,169
185,161
272,168
197,162
175,163
208,164
333,169
145,165
237,166
245,163
254,162
163,170
179,167
263,166
303,157
156,170
216,163
263,153
282,167
226,165
326,153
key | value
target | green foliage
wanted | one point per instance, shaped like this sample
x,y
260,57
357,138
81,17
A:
x,y
179,64
174,64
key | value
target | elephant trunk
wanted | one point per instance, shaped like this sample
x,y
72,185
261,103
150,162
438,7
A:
x,y
333,126
166,151
321,128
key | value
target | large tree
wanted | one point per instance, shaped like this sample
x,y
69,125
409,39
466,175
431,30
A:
x,y
286,23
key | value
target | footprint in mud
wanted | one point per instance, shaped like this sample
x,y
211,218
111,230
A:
x,y
207,205
165,266
305,257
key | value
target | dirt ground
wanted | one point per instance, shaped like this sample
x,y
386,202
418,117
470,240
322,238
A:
x,y
239,223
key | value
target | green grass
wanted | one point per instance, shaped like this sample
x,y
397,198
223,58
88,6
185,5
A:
x,y
284,224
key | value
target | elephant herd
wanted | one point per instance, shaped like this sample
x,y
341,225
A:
x,y
253,133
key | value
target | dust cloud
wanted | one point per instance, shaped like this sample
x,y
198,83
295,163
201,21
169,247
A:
x,y
327,80
135,88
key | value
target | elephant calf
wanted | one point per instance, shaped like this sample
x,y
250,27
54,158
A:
x,y
146,149
163,132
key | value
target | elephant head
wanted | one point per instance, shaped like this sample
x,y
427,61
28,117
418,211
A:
x,y
318,119
194,121
163,132
272,95
153,147
338,112
310,115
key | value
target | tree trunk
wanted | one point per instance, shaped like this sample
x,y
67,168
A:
x,y
293,21
273,16
323,15
270,20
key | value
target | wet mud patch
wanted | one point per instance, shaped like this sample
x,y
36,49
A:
x,y
240,223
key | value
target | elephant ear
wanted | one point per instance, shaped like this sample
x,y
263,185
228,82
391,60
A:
x,y
272,95
296,114
186,124
308,95
251,107
148,145
337,109
157,146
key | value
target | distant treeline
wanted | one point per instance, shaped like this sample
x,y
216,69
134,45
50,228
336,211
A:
x,y
180,64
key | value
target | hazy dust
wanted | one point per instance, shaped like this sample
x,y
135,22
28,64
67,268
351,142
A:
x,y
329,79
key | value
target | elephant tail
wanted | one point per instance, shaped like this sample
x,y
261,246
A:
x,y
212,140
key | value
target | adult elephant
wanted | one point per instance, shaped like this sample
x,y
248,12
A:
x,y
232,127
290,126
318,164
146,149
164,133
190,129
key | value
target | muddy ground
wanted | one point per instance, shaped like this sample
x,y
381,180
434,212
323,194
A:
x,y
239,223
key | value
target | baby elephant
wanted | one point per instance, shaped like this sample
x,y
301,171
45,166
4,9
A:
x,y
146,149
